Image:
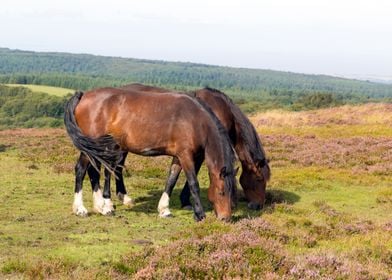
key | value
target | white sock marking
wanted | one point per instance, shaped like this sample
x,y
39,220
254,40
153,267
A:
x,y
107,207
98,201
78,207
163,205
125,199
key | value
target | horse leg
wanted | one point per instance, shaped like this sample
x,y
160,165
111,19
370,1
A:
x,y
186,193
107,208
188,164
80,171
120,187
101,201
174,172
97,193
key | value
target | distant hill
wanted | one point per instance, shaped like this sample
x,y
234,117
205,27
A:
x,y
31,106
83,71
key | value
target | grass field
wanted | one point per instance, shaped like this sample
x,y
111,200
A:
x,y
58,91
328,212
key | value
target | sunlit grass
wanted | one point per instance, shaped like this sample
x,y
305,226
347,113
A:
x,y
347,121
330,131
58,91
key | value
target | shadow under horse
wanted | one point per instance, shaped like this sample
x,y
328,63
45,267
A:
x,y
105,124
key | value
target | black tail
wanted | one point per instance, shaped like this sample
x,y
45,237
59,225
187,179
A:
x,y
103,149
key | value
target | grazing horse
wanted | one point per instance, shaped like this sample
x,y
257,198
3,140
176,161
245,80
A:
x,y
243,136
105,124
246,142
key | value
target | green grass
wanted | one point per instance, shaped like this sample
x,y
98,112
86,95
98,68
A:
x,y
331,131
58,91
325,220
339,188
37,215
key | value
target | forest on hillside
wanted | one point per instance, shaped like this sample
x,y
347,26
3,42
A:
x,y
21,107
84,71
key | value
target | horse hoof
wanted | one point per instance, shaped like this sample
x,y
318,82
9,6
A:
x,y
129,202
81,212
224,219
187,207
254,206
98,209
105,211
165,213
126,200
108,208
108,213
166,216
199,217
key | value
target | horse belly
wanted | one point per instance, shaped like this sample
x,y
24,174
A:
x,y
142,139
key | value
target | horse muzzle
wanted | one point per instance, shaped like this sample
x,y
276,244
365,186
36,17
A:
x,y
255,205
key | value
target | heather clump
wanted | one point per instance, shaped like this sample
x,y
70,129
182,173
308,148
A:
x,y
242,252
326,209
263,229
388,226
331,266
364,154
359,227
379,253
334,224
335,229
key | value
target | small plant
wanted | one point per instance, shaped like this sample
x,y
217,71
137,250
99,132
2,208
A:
x,y
14,266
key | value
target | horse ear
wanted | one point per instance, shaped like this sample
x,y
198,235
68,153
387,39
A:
x,y
223,172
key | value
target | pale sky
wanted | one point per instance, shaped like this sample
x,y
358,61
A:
x,y
338,37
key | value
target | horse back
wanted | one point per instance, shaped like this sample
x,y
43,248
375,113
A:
x,y
144,88
142,122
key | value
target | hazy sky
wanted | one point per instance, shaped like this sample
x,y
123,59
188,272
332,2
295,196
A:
x,y
342,37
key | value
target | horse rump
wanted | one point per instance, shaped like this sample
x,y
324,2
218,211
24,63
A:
x,y
103,149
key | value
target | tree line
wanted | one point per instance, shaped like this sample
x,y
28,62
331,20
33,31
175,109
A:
x,y
85,71
20,107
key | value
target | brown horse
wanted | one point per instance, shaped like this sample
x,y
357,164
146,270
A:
x,y
105,124
244,138
246,142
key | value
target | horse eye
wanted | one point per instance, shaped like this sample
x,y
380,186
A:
x,y
222,193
